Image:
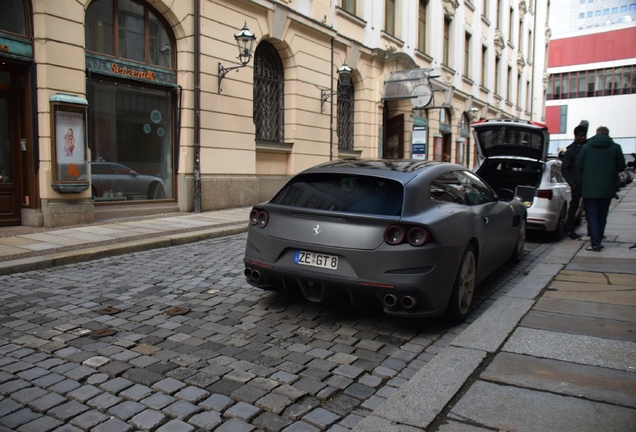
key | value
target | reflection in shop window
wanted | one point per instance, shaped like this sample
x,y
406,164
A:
x,y
133,20
130,142
13,17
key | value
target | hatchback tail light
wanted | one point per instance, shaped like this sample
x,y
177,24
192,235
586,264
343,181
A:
x,y
415,236
418,236
544,193
259,217
394,234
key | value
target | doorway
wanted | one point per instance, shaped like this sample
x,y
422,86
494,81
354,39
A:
x,y
13,144
394,148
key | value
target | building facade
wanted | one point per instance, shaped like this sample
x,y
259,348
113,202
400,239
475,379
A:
x,y
592,76
113,108
568,16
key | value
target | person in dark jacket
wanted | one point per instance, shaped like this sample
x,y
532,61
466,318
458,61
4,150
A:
x,y
600,161
573,177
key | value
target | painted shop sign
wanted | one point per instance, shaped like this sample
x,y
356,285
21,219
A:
x,y
123,70
129,70
14,47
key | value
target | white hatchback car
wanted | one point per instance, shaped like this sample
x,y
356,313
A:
x,y
514,155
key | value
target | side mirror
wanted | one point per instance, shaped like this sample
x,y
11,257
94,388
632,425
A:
x,y
506,194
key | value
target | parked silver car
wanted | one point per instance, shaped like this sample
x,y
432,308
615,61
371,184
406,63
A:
x,y
412,237
514,155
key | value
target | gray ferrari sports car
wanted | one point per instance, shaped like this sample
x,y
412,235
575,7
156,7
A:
x,y
412,237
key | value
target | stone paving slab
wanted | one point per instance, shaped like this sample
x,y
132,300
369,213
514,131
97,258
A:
x,y
603,328
607,296
573,348
589,287
422,398
586,309
595,264
590,382
532,285
454,426
516,409
489,331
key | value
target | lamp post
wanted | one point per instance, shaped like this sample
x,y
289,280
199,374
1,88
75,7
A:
x,y
245,43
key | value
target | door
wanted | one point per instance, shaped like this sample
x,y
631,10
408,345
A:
x,y
10,176
394,148
446,147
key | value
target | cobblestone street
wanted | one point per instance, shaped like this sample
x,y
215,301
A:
x,y
196,347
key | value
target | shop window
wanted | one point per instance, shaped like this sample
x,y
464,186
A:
x,y
269,94
13,17
128,30
130,141
345,116
131,120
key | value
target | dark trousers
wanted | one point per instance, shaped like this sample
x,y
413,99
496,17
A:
x,y
574,207
596,210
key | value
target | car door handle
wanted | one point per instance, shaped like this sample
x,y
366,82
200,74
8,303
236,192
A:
x,y
486,220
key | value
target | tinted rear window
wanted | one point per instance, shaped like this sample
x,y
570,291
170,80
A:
x,y
510,136
343,193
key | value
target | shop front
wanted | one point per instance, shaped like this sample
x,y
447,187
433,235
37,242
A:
x,y
133,104
18,150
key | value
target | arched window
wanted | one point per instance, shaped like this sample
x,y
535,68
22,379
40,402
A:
x,y
13,17
128,30
346,104
131,91
269,94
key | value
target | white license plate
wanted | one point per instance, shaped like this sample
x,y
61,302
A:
x,y
316,260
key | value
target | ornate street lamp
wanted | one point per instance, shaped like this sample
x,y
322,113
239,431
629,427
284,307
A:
x,y
245,43
344,78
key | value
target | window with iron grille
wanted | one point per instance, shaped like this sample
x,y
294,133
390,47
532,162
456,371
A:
x,y
345,116
269,94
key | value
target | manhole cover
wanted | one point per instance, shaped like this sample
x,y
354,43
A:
x,y
108,311
178,311
102,333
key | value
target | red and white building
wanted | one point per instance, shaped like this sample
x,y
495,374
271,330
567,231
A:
x,y
592,76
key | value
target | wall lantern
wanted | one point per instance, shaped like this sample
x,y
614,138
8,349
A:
x,y
245,43
344,78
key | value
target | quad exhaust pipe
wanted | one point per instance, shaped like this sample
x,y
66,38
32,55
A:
x,y
255,275
407,302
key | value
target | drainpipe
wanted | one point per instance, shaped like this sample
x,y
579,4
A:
x,y
197,106
331,105
534,56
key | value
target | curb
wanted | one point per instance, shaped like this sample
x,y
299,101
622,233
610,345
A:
x,y
98,252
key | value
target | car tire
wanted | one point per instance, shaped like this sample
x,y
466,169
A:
x,y
464,287
559,231
155,191
517,254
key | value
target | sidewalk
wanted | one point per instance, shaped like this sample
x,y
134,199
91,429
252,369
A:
x,y
557,352
23,248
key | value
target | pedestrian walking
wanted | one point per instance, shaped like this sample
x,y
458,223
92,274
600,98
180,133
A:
x,y
574,177
599,160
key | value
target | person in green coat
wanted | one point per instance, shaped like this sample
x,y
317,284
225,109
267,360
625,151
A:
x,y
600,160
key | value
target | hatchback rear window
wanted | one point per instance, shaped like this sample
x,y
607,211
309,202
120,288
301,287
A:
x,y
343,193
510,136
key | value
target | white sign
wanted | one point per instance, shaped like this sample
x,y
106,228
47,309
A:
x,y
156,116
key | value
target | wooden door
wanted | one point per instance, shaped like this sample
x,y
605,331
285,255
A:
x,y
10,174
394,144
